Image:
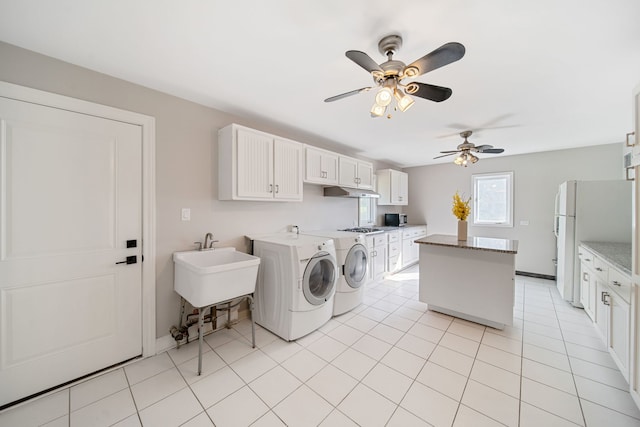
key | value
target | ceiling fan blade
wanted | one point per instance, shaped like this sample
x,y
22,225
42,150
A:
x,y
445,155
451,151
346,94
427,91
481,148
493,151
363,60
445,54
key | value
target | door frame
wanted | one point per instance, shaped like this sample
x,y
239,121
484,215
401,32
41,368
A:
x,y
148,125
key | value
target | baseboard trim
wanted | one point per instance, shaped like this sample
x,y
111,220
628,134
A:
x,y
536,275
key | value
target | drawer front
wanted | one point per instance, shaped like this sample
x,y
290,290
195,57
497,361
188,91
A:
x,y
586,256
421,231
620,284
601,268
394,249
379,240
393,236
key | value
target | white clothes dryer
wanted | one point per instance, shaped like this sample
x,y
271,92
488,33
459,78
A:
x,y
296,283
352,258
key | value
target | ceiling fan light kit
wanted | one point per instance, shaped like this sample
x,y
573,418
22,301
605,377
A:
x,y
388,76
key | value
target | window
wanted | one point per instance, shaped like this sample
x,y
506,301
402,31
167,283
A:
x,y
493,199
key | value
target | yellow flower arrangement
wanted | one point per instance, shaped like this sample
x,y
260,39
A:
x,y
460,208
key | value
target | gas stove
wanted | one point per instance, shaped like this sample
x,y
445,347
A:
x,y
364,230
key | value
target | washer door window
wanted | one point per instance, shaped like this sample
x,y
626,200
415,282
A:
x,y
319,278
355,266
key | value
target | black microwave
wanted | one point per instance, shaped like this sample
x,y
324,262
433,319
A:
x,y
395,219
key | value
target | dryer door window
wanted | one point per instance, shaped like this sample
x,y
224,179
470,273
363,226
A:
x,y
319,278
355,266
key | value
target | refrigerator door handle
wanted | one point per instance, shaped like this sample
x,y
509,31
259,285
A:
x,y
556,221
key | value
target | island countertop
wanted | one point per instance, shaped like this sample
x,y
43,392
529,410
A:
x,y
474,243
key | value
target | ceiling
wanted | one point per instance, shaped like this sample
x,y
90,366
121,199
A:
x,y
537,75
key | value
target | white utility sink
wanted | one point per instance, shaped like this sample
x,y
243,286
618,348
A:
x,y
209,277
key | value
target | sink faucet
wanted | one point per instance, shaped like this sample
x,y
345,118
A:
x,y
208,238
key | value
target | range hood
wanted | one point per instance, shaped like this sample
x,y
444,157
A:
x,y
349,192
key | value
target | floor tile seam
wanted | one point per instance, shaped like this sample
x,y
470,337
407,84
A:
x,y
462,336
396,370
206,411
261,399
573,376
502,349
591,361
551,386
195,416
626,390
160,400
553,414
607,407
557,326
466,383
546,348
102,398
126,378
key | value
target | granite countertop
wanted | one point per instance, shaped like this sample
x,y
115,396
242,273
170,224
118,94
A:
x,y
475,243
617,254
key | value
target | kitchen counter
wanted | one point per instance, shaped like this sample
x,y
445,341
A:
x,y
475,243
617,254
473,279
395,228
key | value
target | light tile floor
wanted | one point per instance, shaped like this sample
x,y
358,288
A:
x,y
389,362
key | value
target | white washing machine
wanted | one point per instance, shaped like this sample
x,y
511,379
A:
x,y
352,258
296,283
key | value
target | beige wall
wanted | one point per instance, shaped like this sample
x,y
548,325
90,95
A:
x,y
186,166
536,180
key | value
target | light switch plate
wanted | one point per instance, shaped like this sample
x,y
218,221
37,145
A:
x,y
525,222
186,214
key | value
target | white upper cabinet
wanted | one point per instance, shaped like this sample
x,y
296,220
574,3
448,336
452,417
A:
x,y
355,173
393,187
254,165
321,166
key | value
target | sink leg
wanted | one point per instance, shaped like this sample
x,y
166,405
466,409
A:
x,y
253,326
182,304
229,315
201,312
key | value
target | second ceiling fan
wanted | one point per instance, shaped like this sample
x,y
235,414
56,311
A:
x,y
389,75
466,149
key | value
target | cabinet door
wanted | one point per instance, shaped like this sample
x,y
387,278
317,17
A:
x,y
380,261
365,175
407,252
602,310
619,333
348,172
587,291
255,165
403,191
313,171
399,188
287,170
330,167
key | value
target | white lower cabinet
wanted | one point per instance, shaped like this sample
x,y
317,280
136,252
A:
x,y
410,249
618,341
377,246
606,297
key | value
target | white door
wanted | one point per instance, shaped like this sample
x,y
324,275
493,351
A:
x,y
70,199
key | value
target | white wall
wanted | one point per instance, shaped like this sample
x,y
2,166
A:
x,y
536,180
186,167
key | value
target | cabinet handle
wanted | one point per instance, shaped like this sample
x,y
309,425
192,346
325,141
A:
x,y
629,144
270,188
598,269
277,188
587,259
603,297
585,277
616,283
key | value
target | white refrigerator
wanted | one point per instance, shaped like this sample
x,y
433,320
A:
x,y
597,211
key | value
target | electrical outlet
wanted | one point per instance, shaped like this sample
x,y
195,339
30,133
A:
x,y
186,214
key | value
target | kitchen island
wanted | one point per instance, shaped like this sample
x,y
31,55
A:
x,y
472,279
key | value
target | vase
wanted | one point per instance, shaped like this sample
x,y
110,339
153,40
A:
x,y
462,230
